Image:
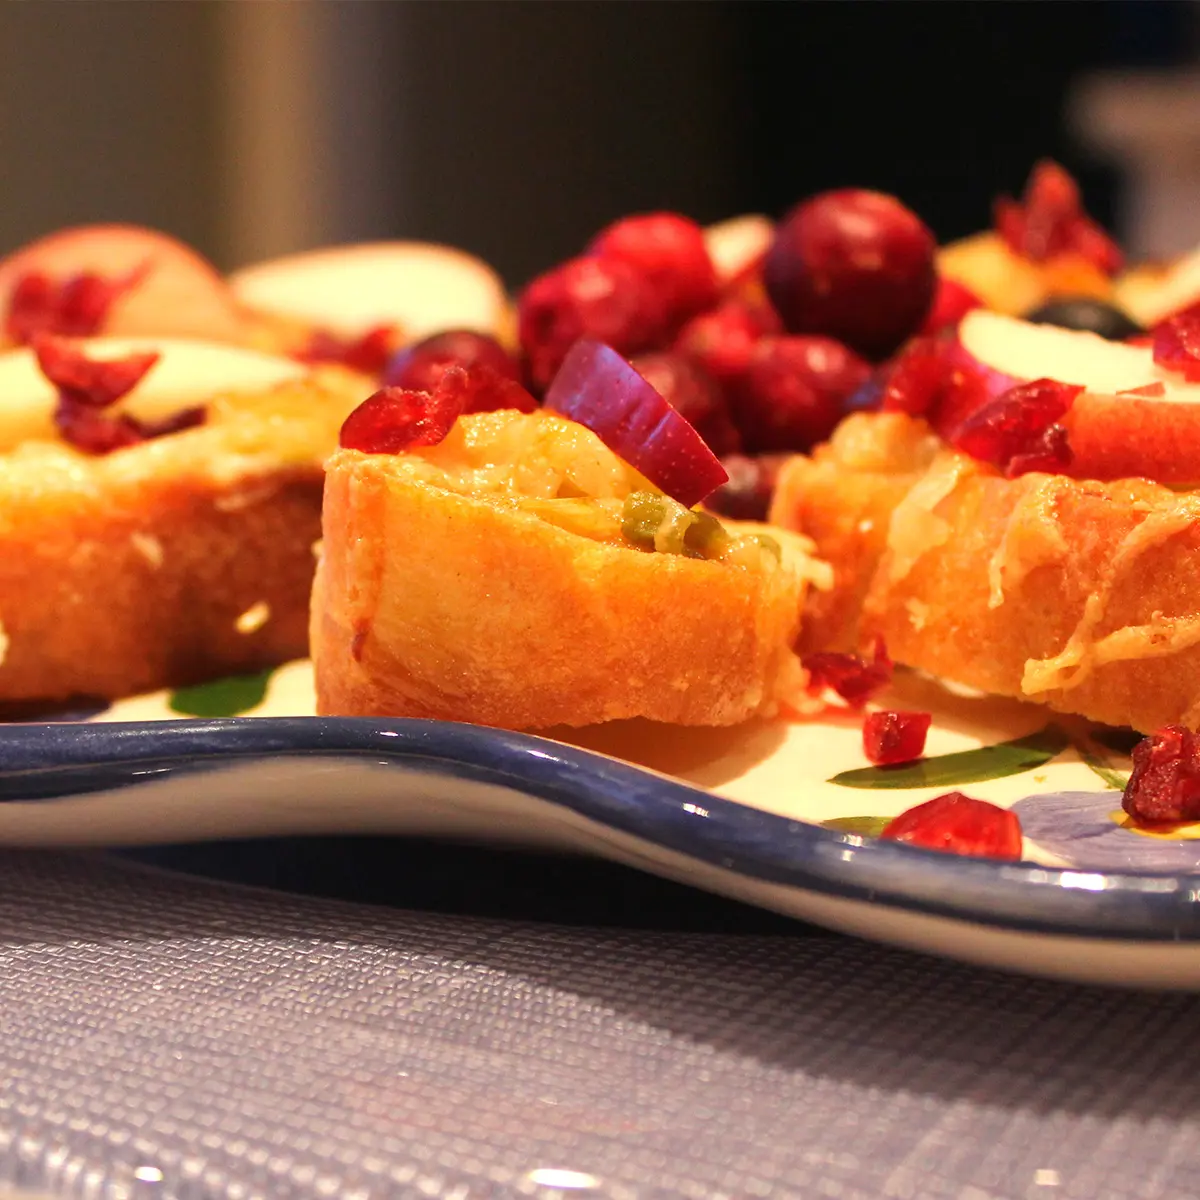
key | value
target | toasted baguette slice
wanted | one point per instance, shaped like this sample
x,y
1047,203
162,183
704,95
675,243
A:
x,y
179,559
455,583
1079,595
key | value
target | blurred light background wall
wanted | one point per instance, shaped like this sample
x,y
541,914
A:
x,y
516,128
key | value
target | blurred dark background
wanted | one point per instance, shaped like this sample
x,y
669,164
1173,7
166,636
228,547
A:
x,y
516,128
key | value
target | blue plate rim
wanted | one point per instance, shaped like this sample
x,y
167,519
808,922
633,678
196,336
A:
x,y
68,759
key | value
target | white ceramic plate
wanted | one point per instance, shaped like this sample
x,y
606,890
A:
x,y
775,813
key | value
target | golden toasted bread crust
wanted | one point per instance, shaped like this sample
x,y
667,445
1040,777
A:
x,y
1079,595
433,603
181,559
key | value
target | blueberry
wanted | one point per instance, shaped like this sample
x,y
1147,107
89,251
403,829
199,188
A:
x,y
1086,314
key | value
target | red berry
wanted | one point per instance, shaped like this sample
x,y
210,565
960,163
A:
x,y
916,379
394,420
73,307
1019,430
854,265
1050,220
420,365
951,302
958,824
95,383
694,394
1165,783
895,737
854,679
479,389
86,386
669,252
492,374
1177,343
367,354
794,391
746,496
722,341
600,298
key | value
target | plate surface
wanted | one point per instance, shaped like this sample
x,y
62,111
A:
x,y
776,813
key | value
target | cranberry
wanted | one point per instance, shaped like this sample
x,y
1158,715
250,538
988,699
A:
x,y
951,302
854,265
86,386
794,391
601,298
722,341
94,383
958,824
851,677
669,252
420,365
895,737
1050,220
395,419
693,393
73,307
1018,431
916,379
747,494
480,389
1165,783
1177,343
367,354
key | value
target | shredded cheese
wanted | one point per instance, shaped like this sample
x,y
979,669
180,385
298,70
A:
x,y
149,547
1032,538
1157,638
915,528
4,644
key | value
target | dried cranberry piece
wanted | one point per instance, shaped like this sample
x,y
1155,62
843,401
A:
x,y
395,419
951,302
73,307
1049,221
1177,343
916,379
895,737
853,678
1019,431
958,824
85,386
481,389
368,354
1165,783
96,383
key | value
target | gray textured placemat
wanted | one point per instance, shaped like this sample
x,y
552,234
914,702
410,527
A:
x,y
169,1037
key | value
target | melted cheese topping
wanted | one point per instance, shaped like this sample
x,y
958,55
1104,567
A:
x,y
1032,538
915,527
1157,638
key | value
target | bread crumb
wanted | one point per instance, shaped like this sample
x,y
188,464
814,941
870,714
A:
x,y
149,547
918,613
254,618
3,644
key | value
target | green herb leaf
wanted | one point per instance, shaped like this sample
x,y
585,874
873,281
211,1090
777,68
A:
x,y
1099,765
967,766
222,697
863,826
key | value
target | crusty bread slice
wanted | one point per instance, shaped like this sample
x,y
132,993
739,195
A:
x,y
445,591
1079,595
178,559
